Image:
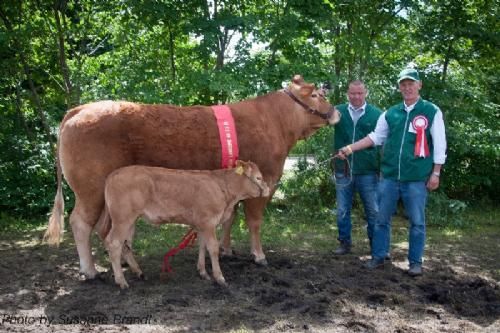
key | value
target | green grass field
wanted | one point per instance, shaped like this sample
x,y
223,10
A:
x,y
287,229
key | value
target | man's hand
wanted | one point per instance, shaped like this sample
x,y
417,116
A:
x,y
344,152
433,182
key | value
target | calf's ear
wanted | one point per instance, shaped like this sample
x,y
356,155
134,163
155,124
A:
x,y
248,169
239,170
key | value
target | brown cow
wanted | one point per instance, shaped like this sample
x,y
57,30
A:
x,y
201,199
100,137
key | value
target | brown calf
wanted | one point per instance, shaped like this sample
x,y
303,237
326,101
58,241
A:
x,y
201,199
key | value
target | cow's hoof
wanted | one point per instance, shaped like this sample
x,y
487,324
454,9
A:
x,y
205,276
222,283
123,285
142,277
164,276
262,262
99,277
102,276
89,275
227,253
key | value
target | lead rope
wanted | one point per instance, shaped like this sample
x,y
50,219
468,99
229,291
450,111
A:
x,y
317,165
188,240
347,172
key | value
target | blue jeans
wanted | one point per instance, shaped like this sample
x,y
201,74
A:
x,y
414,196
366,186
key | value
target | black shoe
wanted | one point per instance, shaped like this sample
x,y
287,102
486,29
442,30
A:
x,y
344,248
387,257
374,263
415,270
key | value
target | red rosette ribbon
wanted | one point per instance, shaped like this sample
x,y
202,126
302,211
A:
x,y
420,124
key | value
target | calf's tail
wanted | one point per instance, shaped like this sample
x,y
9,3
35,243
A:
x,y
103,225
55,228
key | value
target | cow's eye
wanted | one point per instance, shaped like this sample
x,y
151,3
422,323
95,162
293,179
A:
x,y
314,95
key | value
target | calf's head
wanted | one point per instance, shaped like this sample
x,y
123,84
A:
x,y
251,171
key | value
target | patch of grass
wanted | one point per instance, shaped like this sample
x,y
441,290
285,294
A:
x,y
10,224
295,228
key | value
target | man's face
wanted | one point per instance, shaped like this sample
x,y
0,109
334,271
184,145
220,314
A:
x,y
410,90
357,95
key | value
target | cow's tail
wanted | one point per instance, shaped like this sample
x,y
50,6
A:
x,y
55,228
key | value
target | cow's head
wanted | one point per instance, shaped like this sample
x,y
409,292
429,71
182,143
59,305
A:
x,y
252,172
313,101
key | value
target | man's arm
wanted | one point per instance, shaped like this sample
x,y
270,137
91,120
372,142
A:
x,y
358,145
439,156
377,137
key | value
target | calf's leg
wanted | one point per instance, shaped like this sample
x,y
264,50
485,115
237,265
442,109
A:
x,y
115,242
210,239
226,232
201,258
129,257
114,247
129,243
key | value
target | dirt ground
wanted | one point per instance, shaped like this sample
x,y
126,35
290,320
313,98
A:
x,y
41,291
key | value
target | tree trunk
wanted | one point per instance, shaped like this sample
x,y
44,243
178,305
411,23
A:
x,y
171,46
337,66
68,87
20,114
447,60
351,52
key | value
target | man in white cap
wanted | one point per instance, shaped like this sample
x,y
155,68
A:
x,y
413,135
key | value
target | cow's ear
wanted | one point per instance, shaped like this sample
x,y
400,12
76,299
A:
x,y
298,79
307,90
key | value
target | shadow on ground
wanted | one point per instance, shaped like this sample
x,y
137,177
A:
x,y
298,291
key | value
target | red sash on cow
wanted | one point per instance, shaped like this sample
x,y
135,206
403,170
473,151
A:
x,y
227,135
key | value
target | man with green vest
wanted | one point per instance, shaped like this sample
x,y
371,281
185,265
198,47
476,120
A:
x,y
360,174
414,139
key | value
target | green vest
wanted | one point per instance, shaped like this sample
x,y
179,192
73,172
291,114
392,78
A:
x,y
399,161
364,161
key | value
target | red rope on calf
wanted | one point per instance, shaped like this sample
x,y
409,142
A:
x,y
188,240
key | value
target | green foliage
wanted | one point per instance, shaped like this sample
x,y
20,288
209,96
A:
x,y
27,174
445,212
53,57
307,191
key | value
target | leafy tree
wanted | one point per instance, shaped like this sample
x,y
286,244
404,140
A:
x,y
55,54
